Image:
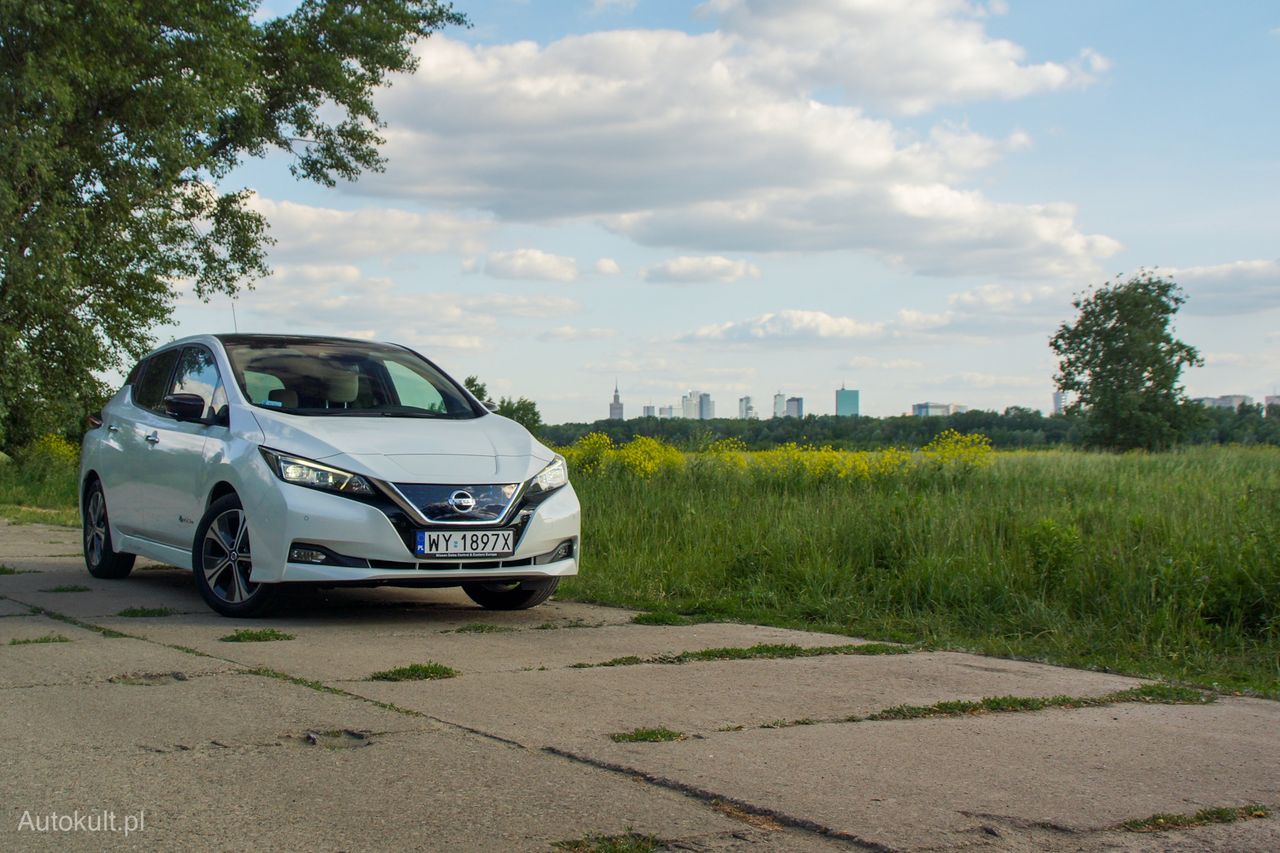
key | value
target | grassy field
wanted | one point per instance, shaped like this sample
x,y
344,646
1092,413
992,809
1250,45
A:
x,y
1165,565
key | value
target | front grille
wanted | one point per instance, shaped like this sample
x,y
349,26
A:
x,y
447,504
454,566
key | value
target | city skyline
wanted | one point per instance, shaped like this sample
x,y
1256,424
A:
x,y
732,196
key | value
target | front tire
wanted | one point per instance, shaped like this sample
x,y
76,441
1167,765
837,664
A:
x,y
222,560
511,595
100,556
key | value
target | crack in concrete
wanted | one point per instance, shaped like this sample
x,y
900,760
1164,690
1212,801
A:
x,y
711,798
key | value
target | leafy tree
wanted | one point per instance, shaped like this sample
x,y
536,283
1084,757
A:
x,y
120,121
1122,362
477,388
523,411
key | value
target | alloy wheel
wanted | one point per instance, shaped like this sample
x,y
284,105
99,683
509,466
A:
x,y
226,559
95,527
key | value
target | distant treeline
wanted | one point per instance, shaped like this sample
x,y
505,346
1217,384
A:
x,y
1016,427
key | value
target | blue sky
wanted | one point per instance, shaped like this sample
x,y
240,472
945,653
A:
x,y
751,196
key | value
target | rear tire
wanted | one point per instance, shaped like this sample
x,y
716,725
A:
x,y
100,556
511,595
222,560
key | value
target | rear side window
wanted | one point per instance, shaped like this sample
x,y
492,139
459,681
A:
x,y
152,382
198,374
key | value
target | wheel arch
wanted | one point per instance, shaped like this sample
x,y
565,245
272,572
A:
x,y
90,477
220,490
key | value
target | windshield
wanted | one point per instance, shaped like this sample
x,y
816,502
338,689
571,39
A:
x,y
342,379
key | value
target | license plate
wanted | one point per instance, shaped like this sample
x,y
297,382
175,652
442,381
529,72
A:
x,y
469,543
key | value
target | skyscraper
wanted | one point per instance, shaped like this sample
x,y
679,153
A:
x,y
746,410
779,405
1059,402
706,408
689,405
847,402
648,411
615,408
795,407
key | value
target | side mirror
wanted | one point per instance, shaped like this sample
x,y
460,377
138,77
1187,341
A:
x,y
490,405
185,407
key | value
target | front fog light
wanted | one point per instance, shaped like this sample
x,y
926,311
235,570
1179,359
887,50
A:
x,y
564,552
306,555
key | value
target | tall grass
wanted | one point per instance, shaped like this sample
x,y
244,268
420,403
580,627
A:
x,y
39,484
1152,564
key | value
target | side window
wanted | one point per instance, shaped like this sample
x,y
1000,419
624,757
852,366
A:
x,y
414,390
153,381
198,374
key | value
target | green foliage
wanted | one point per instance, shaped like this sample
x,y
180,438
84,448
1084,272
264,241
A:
x,y
1123,364
121,120
654,735
40,483
258,635
478,389
1014,428
1162,822
1152,564
146,612
523,411
37,641
630,842
415,672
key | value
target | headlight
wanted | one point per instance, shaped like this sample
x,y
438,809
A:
x,y
552,477
304,472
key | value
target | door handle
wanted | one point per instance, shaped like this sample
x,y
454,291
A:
x,y
153,438
113,428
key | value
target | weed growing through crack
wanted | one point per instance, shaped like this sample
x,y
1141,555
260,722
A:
x,y
416,672
654,735
763,651
145,612
71,587
258,635
630,842
9,570
1164,694
1161,822
48,638
483,628
660,617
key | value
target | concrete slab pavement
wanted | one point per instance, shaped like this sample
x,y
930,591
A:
x,y
511,756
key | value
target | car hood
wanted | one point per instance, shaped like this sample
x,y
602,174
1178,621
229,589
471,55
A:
x,y
488,449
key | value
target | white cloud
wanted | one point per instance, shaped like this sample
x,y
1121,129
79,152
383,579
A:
x,y
319,234
685,141
866,362
341,300
912,320
606,266
1228,359
1239,287
573,333
910,56
688,268
975,379
789,326
531,264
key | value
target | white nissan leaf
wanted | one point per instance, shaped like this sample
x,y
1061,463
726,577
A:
x,y
264,460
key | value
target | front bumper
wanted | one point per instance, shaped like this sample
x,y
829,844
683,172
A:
x,y
364,533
